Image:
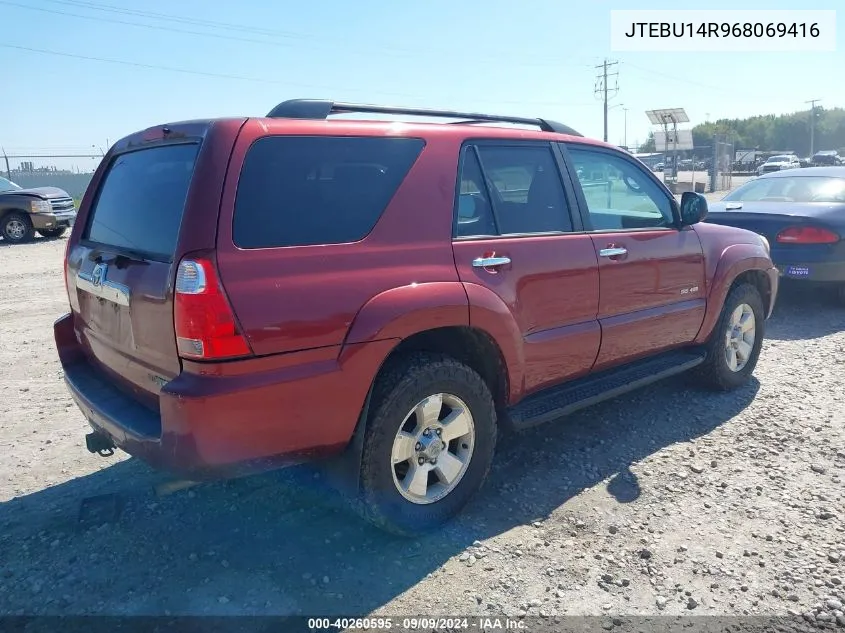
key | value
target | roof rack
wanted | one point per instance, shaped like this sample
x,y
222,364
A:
x,y
320,109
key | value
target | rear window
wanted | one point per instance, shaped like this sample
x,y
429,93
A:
x,y
142,198
302,191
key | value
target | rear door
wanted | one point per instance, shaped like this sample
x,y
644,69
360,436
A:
x,y
651,273
119,272
515,235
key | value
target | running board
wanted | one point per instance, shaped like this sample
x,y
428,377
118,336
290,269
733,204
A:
x,y
555,402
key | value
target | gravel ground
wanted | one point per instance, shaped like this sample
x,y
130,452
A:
x,y
668,501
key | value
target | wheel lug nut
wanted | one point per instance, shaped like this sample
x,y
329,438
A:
x,y
421,461
427,432
418,446
439,431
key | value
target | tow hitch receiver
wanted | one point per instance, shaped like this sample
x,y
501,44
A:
x,y
100,444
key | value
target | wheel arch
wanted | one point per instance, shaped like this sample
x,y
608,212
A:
x,y
739,263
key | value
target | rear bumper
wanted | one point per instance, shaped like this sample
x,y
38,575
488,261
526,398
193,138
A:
x,y
233,418
833,272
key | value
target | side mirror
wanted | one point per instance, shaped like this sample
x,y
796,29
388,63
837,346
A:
x,y
693,208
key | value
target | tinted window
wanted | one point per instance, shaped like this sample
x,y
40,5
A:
x,y
300,191
619,194
474,213
526,190
142,198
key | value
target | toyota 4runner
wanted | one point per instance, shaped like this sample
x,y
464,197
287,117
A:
x,y
247,293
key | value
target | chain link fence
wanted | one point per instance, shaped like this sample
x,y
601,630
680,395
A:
x,y
721,175
69,172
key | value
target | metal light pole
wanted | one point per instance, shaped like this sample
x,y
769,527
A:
x,y
625,137
812,103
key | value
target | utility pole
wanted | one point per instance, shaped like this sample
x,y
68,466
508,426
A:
x,y
8,171
602,90
625,137
812,103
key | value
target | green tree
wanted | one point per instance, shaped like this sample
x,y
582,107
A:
x,y
648,146
785,132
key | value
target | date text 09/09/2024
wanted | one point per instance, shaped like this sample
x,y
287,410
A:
x,y
722,29
417,624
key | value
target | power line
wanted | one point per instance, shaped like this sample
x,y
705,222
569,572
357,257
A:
x,y
677,78
201,73
155,27
603,90
380,50
165,68
194,21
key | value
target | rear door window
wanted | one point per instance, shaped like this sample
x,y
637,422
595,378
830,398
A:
x,y
141,200
520,192
303,191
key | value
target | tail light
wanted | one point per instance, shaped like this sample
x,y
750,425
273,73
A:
x,y
807,235
204,321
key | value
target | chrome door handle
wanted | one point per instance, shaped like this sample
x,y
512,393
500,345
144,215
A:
x,y
613,252
490,262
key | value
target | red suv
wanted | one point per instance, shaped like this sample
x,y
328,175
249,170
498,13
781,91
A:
x,y
255,292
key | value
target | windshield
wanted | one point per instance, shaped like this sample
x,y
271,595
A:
x,y
8,185
778,159
795,189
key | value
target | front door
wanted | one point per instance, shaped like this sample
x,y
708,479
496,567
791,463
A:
x,y
651,273
516,237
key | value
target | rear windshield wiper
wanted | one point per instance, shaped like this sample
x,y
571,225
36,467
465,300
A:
x,y
123,258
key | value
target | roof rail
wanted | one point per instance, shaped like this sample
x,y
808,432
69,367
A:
x,y
320,109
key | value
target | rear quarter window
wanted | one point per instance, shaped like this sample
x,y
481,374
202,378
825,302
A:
x,y
303,191
141,200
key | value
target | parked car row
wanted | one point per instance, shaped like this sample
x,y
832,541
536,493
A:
x,y
791,161
441,282
686,164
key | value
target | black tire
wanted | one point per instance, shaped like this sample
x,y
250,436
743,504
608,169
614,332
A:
x,y
52,233
10,228
715,373
398,389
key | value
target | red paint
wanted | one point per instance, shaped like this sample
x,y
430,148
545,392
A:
x,y
652,298
551,292
321,320
729,252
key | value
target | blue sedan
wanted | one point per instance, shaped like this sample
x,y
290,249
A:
x,y
801,212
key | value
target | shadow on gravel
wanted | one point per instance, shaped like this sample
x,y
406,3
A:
x,y
35,240
805,312
280,544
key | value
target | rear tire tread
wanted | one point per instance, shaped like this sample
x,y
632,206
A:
x,y
412,374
